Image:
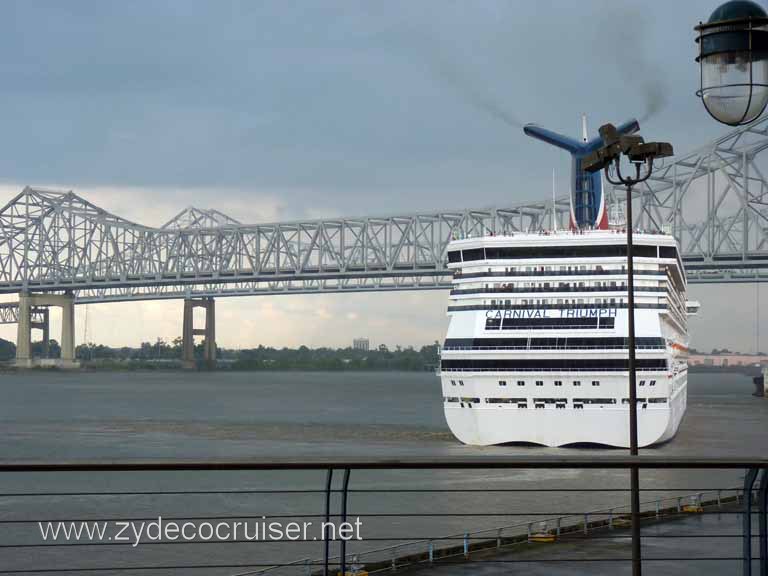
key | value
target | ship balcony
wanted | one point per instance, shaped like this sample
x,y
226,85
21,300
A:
x,y
556,290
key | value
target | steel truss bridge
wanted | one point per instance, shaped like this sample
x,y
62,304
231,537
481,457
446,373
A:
x,y
714,200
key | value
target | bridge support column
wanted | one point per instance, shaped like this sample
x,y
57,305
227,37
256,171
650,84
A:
x,y
189,332
68,330
24,334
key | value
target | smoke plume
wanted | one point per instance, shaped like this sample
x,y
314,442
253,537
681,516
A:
x,y
621,40
452,74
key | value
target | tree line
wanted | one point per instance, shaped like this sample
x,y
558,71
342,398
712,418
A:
x,y
168,354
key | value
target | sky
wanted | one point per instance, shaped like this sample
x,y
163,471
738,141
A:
x,y
282,110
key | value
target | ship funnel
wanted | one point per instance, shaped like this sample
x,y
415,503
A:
x,y
587,198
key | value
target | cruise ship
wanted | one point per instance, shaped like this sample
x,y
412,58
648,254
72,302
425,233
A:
x,y
537,343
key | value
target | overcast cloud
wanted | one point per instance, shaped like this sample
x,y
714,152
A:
x,y
285,110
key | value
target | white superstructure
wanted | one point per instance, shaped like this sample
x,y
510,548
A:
x,y
536,349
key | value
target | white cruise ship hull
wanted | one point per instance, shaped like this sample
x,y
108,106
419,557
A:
x,y
551,427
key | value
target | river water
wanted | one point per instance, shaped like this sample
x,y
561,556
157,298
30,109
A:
x,y
166,415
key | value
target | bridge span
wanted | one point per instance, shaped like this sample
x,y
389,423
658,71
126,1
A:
x,y
714,200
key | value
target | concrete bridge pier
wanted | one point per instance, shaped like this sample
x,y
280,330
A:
x,y
29,302
189,332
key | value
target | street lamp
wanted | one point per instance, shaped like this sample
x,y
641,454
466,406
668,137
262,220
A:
x,y
733,62
640,155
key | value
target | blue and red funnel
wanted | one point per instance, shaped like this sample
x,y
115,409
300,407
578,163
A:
x,y
587,198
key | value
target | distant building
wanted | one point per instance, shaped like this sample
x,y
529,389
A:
x,y
361,344
724,360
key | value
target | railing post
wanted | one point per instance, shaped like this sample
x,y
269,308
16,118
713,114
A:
x,y
466,545
344,494
498,537
719,499
658,509
679,504
762,502
326,542
559,522
308,565
586,523
393,565
610,519
749,480
431,551
529,532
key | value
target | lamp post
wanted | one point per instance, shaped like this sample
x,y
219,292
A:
x,y
640,155
733,62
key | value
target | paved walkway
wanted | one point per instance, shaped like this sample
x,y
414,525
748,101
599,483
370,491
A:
x,y
696,536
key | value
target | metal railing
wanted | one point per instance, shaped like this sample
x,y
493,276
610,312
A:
x,y
429,551
426,533
555,290
622,273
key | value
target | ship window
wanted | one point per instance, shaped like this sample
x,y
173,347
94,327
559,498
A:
x,y
551,364
454,256
577,382
558,382
521,382
502,382
579,406
595,382
522,405
595,400
474,254
539,383
642,382
667,252
453,382
539,405
657,400
652,383
559,405
461,382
